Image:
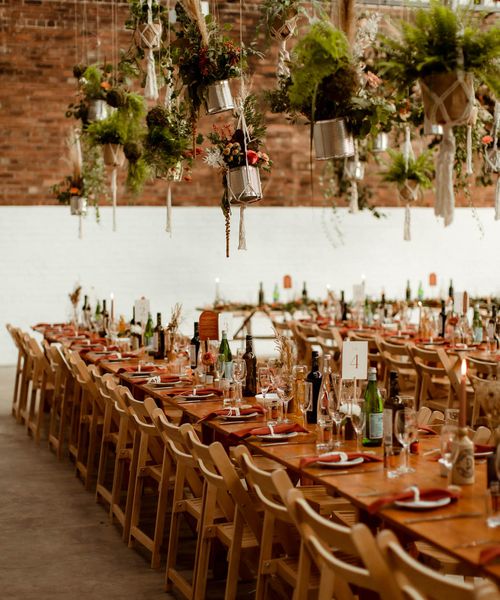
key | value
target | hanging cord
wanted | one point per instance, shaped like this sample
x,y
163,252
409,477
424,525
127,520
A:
x,y
168,224
97,38
242,242
114,193
85,30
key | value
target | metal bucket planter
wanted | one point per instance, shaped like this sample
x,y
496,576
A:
x,y
355,169
219,97
148,35
98,110
243,184
175,173
332,140
78,206
381,142
446,99
113,155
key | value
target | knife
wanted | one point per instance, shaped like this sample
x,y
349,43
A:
x,y
465,515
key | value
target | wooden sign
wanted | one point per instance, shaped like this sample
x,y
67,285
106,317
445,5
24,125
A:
x,y
208,327
354,360
287,282
433,279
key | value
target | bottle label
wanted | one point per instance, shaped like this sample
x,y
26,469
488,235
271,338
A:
x,y
192,355
228,370
387,426
376,421
478,335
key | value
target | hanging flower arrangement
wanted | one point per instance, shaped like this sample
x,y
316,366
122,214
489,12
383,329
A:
x,y
237,152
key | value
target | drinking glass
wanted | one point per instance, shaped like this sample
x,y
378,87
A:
x,y
304,399
405,426
358,419
337,406
447,438
239,374
220,366
284,389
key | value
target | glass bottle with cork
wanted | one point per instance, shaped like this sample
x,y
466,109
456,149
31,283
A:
x,y
194,347
315,377
149,333
250,388
159,339
225,350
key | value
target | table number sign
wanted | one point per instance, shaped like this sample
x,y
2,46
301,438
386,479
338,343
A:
x,y
142,311
208,327
355,360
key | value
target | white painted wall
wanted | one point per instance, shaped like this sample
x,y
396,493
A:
x,y
41,257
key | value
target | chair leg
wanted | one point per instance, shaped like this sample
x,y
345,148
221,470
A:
x,y
138,488
161,509
234,558
266,544
173,538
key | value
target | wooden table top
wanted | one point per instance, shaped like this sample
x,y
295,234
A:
x,y
361,485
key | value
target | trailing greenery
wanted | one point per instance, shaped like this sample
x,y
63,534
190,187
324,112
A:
x,y
436,43
323,76
420,169
274,13
139,13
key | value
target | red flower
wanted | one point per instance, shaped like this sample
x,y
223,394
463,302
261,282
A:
x,y
198,151
252,157
487,139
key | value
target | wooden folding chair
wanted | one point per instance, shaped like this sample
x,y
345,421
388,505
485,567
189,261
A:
x,y
485,378
42,389
28,372
420,582
433,388
235,536
152,477
61,402
397,358
16,335
344,556
375,358
330,342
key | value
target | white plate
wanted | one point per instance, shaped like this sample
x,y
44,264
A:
x,y
277,437
341,463
195,396
163,385
422,504
141,373
269,396
483,454
239,417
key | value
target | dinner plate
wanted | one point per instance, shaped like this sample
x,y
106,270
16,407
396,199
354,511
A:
x,y
163,385
277,437
239,417
422,504
269,396
341,463
141,373
196,396
483,454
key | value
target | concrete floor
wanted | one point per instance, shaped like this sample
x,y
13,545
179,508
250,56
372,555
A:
x,y
55,541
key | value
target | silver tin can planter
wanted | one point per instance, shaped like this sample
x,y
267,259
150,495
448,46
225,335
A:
x,y
113,155
148,35
381,142
219,97
332,140
175,173
78,206
98,110
355,169
243,184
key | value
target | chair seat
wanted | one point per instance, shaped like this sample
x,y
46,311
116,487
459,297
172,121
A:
x,y
225,532
322,502
193,506
441,561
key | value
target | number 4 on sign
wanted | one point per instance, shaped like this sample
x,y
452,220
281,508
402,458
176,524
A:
x,y
354,360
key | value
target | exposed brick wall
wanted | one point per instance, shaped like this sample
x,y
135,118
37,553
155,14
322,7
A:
x,y
37,52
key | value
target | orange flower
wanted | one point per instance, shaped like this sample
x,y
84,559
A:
x,y
74,191
106,85
487,139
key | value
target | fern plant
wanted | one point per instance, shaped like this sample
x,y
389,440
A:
x,y
439,41
420,169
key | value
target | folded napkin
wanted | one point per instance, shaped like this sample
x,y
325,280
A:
x,y
162,378
281,428
147,369
427,430
100,359
429,494
489,554
225,412
90,348
306,462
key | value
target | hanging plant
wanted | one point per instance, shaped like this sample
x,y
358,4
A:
x,y
94,83
237,153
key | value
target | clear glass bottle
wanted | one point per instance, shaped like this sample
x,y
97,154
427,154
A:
x,y
477,325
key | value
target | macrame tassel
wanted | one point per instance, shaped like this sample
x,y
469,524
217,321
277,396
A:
x,y
353,197
242,244
407,226
407,148
497,199
469,169
151,87
283,57
445,195
80,227
113,194
168,226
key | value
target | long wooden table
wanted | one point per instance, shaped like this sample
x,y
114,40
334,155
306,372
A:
x,y
361,485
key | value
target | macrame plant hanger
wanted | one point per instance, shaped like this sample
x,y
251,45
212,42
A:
x,y
445,195
150,39
492,158
407,193
169,99
115,151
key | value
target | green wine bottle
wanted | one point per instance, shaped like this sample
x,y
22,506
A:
x,y
225,350
374,411
149,332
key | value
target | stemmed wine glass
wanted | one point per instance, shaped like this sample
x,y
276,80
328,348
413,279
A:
x,y
303,398
264,379
220,366
448,436
405,427
358,419
335,404
284,389
239,374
